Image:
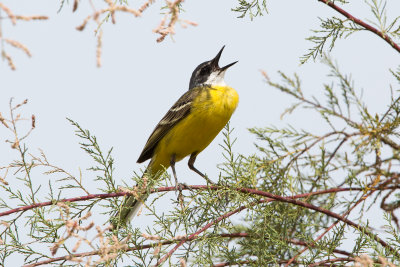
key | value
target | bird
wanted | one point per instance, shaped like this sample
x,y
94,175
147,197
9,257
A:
x,y
188,127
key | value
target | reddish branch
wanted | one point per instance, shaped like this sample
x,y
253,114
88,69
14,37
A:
x,y
306,244
321,263
172,188
368,27
147,246
96,252
363,198
292,201
232,263
330,261
160,189
54,202
194,235
269,197
169,242
333,215
239,263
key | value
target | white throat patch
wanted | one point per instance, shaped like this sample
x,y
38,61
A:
x,y
216,78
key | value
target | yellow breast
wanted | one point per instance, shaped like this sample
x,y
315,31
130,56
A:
x,y
210,112
215,106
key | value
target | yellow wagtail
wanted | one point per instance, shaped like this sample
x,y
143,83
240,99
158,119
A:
x,y
188,127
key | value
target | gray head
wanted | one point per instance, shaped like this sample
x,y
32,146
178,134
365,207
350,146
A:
x,y
209,72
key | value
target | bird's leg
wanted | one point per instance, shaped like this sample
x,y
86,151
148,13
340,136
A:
x,y
178,186
172,163
191,161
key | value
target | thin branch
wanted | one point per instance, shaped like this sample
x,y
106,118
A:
x,y
298,203
363,24
168,242
147,246
224,216
222,264
239,263
54,202
270,197
306,244
331,261
363,198
390,143
191,187
291,200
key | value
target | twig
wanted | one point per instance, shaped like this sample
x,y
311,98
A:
x,y
189,187
306,244
147,246
331,261
196,234
364,197
390,143
363,24
291,200
224,216
298,203
222,264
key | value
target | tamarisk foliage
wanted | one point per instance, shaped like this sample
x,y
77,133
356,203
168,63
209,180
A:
x,y
304,197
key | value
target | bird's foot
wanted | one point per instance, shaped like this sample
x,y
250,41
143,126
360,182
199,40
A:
x,y
179,187
205,177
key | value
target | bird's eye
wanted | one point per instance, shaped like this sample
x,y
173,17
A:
x,y
205,70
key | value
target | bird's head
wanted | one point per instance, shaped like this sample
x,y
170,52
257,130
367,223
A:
x,y
209,73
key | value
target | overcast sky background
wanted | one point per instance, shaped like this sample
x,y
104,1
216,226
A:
x,y
140,79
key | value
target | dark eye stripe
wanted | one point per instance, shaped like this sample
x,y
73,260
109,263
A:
x,y
204,70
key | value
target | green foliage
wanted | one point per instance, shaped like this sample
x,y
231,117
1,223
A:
x,y
302,197
251,8
334,28
331,30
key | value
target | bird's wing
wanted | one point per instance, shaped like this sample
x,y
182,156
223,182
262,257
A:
x,y
176,113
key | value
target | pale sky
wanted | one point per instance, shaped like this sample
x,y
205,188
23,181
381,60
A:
x,y
140,79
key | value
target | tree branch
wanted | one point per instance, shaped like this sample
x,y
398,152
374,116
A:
x,y
295,202
390,143
270,197
168,242
363,24
160,189
191,187
363,198
331,261
194,235
147,246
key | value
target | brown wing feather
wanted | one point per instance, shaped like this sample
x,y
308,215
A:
x,y
176,113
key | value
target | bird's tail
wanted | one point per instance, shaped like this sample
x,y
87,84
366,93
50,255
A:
x,y
129,209
133,203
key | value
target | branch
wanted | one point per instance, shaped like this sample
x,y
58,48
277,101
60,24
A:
x,y
336,216
390,143
168,242
239,263
147,246
331,261
270,197
306,244
363,198
54,202
224,216
368,27
191,187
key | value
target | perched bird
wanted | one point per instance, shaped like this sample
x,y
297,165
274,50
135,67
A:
x,y
187,129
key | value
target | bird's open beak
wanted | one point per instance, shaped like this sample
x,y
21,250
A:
x,y
216,60
227,66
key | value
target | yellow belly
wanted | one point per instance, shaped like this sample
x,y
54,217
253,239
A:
x,y
210,112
